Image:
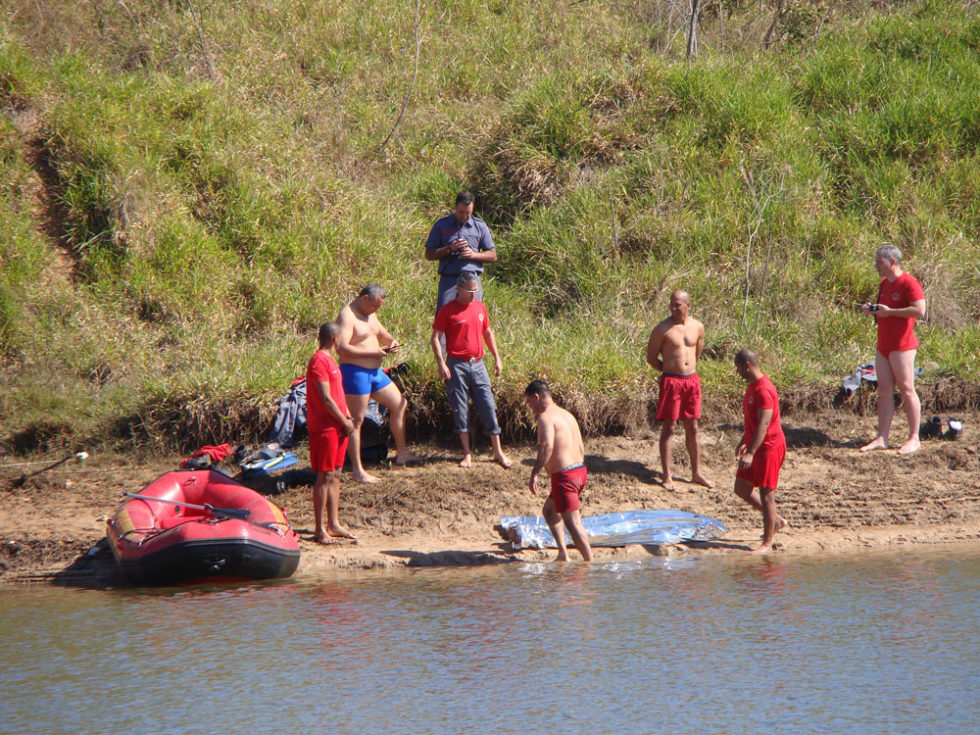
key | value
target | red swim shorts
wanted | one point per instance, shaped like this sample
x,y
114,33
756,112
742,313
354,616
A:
x,y
764,471
327,450
680,397
566,486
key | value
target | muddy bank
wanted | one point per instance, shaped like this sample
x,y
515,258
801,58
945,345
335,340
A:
x,y
836,499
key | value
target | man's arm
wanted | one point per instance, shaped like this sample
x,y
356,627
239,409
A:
x,y
654,345
488,337
700,343
436,343
323,389
546,445
916,310
765,418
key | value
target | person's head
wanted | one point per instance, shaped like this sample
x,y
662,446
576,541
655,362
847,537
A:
x,y
467,287
463,210
747,364
328,335
888,259
680,302
370,298
537,394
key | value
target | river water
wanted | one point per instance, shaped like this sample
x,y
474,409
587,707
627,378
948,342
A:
x,y
876,643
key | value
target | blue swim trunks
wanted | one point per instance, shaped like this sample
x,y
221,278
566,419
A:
x,y
361,381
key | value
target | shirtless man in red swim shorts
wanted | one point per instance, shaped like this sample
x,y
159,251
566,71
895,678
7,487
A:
x,y
762,450
674,349
900,302
562,453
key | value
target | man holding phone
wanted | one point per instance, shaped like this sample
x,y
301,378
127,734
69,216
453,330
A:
x,y
899,303
462,244
362,344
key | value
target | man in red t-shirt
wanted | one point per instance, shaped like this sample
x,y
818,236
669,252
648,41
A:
x,y
329,425
762,450
900,302
466,325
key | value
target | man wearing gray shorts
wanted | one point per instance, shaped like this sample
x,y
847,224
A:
x,y
465,325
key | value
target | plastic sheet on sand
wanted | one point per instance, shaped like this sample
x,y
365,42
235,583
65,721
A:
x,y
657,527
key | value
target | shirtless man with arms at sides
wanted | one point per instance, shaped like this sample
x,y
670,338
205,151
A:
x,y
362,344
562,453
674,349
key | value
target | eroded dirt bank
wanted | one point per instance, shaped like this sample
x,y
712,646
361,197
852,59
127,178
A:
x,y
835,498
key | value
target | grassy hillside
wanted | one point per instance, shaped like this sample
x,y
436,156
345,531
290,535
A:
x,y
188,190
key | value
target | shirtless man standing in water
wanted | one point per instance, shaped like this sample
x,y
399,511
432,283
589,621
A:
x,y
362,344
674,349
562,453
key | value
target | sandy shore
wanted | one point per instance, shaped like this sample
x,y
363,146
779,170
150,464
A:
x,y
837,500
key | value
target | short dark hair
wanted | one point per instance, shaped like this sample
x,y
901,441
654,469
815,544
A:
x,y
537,387
746,357
465,197
327,332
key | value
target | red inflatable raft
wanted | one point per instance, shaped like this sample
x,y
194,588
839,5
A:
x,y
201,526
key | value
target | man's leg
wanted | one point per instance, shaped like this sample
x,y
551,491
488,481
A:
x,y
666,434
467,460
903,370
357,405
768,501
459,407
334,528
319,504
886,403
554,521
694,452
498,453
395,402
486,407
573,520
745,490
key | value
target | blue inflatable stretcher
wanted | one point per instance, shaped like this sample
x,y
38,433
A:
x,y
656,527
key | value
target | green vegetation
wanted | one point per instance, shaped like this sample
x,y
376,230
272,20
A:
x,y
188,189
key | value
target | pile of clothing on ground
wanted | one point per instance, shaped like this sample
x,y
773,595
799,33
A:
x,y
263,468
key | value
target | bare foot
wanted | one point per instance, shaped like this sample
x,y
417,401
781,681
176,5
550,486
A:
x,y
340,532
503,461
408,459
878,443
324,538
700,479
466,461
910,446
667,483
765,548
561,557
781,523
364,477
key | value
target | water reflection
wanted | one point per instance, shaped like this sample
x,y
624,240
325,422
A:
x,y
884,643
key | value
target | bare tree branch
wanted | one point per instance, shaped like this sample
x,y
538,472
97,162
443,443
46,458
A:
x,y
692,32
208,65
415,74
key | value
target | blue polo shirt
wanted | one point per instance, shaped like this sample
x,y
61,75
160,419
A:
x,y
447,229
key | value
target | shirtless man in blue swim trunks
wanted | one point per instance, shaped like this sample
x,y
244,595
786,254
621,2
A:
x,y
362,345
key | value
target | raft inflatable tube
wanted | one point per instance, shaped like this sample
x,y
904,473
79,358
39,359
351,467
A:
x,y
202,526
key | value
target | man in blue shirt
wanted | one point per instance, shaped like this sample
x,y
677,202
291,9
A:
x,y
461,243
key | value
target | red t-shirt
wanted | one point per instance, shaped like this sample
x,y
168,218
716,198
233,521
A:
x,y
464,327
897,333
761,394
323,369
